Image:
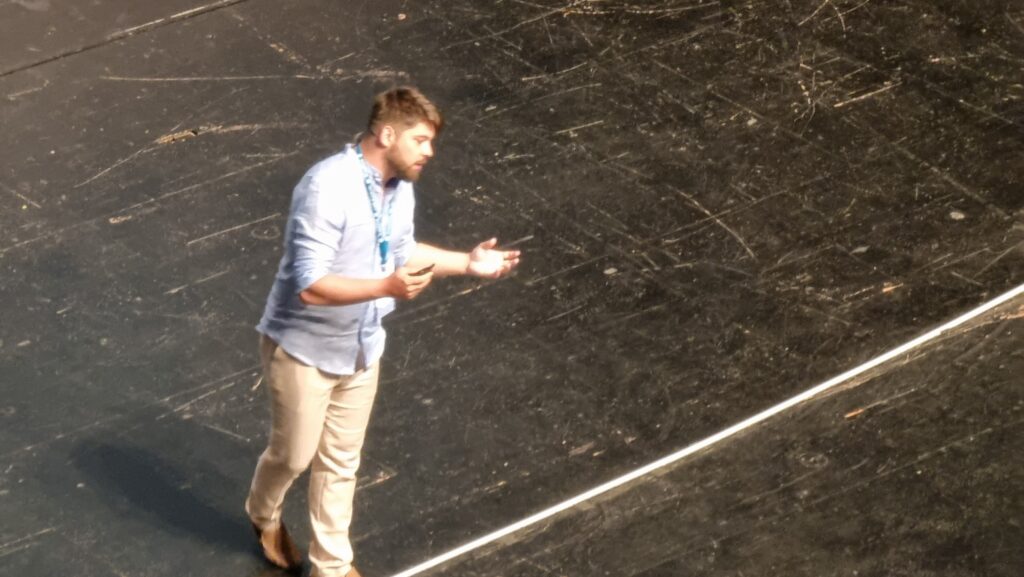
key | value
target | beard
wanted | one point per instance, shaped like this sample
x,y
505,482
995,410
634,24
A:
x,y
405,171
409,173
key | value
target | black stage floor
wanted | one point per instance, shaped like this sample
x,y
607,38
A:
x,y
721,203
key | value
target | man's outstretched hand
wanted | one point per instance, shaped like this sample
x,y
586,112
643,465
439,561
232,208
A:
x,y
487,262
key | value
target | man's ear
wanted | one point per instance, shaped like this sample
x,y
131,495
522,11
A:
x,y
386,136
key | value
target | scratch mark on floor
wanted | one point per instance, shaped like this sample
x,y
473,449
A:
x,y
781,487
547,14
198,282
15,95
121,216
999,258
556,73
559,272
516,242
186,134
580,127
228,433
23,542
565,313
134,413
205,182
743,107
442,301
220,129
944,175
211,78
710,218
618,320
1016,24
815,13
718,221
232,229
122,34
22,197
195,400
965,440
888,86
590,10
131,156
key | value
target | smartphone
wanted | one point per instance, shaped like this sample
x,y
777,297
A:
x,y
423,271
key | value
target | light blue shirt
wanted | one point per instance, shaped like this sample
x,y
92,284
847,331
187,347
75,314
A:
x,y
331,230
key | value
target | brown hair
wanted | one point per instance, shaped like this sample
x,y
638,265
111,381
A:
x,y
403,107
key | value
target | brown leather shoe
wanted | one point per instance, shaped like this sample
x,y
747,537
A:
x,y
353,573
278,547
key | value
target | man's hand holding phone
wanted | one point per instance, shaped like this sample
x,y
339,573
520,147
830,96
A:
x,y
423,271
406,284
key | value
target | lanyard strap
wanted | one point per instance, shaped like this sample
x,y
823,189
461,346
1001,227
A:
x,y
381,226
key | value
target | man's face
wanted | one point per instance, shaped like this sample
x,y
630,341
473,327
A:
x,y
411,150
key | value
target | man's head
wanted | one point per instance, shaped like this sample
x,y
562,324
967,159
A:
x,y
404,123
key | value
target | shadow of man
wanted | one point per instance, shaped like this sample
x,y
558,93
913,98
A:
x,y
145,485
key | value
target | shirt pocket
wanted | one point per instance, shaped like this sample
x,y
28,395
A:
x,y
358,234
358,253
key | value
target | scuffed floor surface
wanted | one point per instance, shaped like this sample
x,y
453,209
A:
x,y
721,204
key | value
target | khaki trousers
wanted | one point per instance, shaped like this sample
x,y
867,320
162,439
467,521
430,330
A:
x,y
317,418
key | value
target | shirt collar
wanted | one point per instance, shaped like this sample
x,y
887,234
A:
x,y
378,177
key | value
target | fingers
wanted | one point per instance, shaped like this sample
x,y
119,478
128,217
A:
x,y
407,276
508,266
488,262
410,286
419,281
511,261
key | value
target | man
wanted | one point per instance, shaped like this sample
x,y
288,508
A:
x,y
349,254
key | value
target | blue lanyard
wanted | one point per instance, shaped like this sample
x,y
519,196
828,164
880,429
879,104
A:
x,y
382,227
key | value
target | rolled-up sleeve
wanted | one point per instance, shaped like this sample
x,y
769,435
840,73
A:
x,y
317,225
